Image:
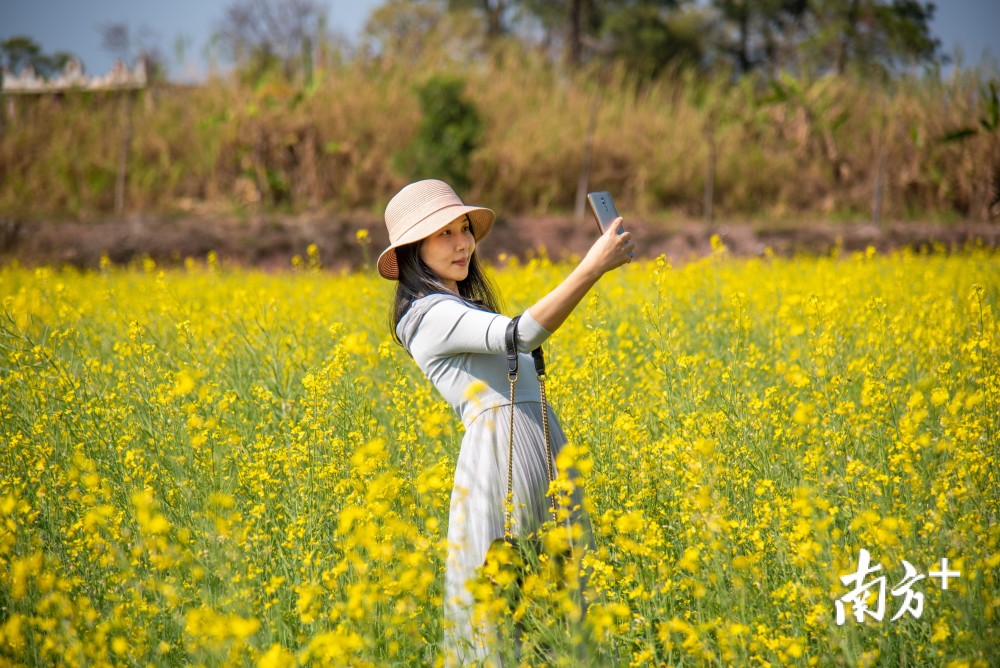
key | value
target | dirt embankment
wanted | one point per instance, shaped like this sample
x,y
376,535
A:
x,y
271,242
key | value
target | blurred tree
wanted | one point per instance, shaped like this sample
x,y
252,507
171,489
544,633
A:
x,y
404,27
647,34
130,47
18,52
427,30
641,32
873,35
493,11
266,35
651,36
568,24
801,36
762,32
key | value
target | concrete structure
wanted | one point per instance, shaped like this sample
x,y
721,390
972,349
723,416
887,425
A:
x,y
72,78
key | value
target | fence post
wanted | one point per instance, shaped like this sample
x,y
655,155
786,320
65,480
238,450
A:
x,y
123,155
583,184
710,170
879,175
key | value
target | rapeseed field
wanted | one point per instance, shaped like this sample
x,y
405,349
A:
x,y
206,465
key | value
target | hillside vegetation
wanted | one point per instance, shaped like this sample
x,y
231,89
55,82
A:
x,y
687,142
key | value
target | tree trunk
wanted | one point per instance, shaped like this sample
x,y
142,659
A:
x,y
744,54
3,125
574,36
494,10
848,36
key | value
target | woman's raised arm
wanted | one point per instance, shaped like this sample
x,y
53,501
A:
x,y
608,252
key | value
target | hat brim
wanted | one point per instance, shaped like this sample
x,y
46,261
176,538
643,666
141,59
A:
x,y
481,219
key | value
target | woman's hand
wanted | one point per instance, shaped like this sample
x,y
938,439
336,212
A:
x,y
611,250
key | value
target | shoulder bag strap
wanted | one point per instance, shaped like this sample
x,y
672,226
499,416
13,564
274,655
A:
x,y
510,339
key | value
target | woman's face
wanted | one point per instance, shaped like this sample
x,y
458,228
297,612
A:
x,y
448,252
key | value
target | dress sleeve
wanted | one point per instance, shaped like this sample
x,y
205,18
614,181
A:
x,y
451,326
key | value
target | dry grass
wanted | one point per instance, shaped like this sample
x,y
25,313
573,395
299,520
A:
x,y
816,151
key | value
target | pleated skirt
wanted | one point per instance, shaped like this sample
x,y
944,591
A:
x,y
476,517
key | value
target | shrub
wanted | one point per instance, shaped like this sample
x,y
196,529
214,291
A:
x,y
450,130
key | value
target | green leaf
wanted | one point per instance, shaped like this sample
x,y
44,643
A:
x,y
839,119
992,119
958,135
778,94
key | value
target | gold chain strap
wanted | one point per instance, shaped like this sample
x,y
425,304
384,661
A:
x,y
509,503
549,465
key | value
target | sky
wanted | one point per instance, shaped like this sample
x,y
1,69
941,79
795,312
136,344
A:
x,y
971,26
75,26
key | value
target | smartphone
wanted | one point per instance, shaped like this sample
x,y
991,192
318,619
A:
x,y
604,210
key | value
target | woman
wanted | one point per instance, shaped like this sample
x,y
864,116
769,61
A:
x,y
446,316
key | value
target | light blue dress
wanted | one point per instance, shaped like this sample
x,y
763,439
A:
x,y
459,347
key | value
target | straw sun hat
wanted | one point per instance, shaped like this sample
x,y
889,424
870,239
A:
x,y
421,209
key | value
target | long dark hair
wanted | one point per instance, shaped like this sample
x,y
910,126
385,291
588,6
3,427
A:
x,y
416,279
